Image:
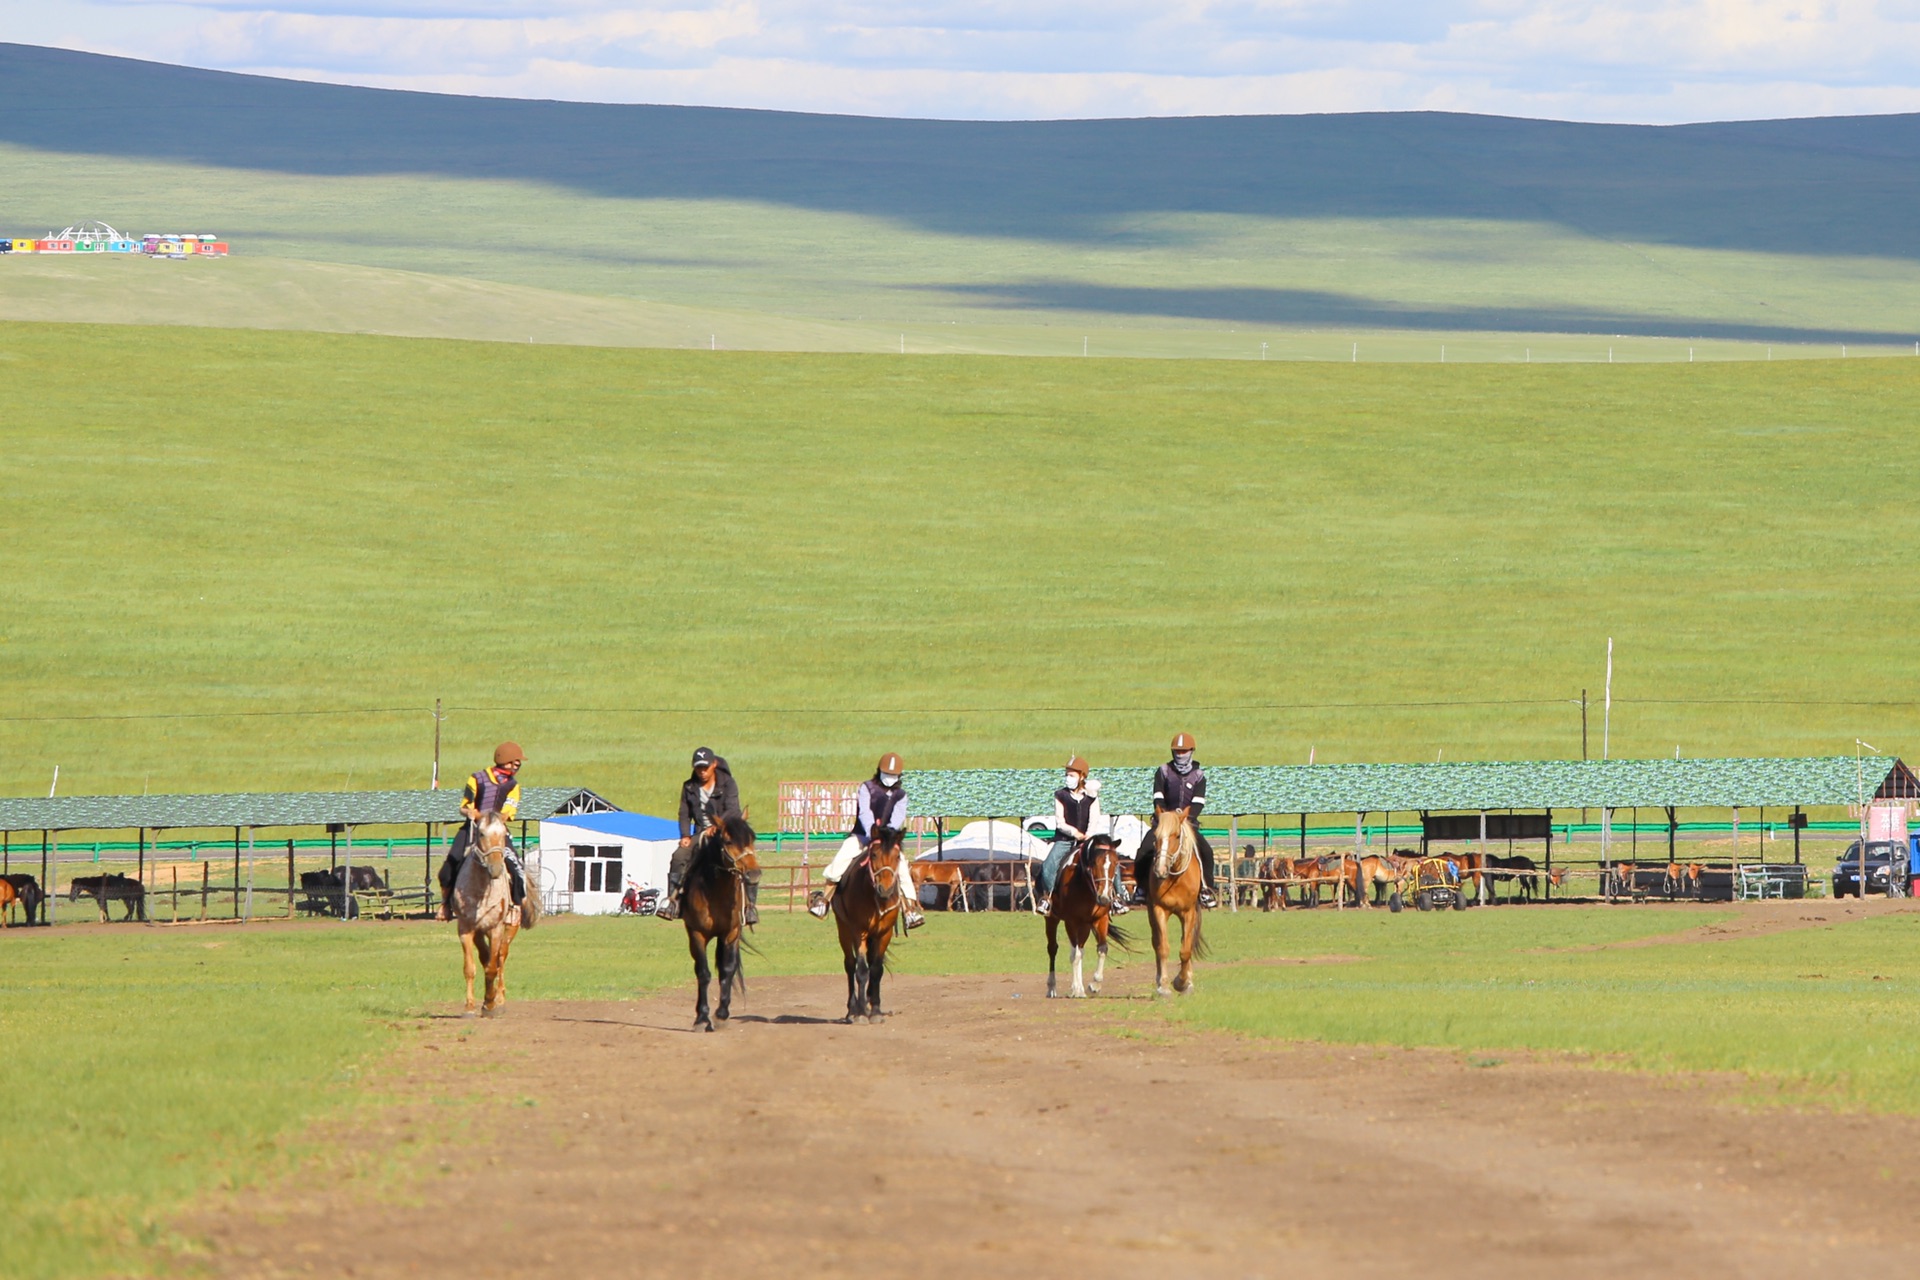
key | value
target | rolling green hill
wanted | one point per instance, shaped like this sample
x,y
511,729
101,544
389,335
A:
x,y
614,556
1182,236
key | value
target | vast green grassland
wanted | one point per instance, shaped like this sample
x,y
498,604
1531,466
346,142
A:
x,y
158,1065
613,556
446,216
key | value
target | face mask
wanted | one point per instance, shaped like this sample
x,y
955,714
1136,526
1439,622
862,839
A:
x,y
1073,782
889,779
1183,760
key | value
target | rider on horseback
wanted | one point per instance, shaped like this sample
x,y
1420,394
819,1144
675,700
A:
x,y
880,802
1179,784
495,790
1076,812
708,795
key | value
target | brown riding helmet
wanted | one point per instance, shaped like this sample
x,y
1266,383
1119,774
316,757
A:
x,y
890,763
508,753
1077,765
1182,742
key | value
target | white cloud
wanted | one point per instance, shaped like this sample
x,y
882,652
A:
x,y
1636,60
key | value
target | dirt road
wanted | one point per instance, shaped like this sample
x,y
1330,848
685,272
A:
x,y
980,1134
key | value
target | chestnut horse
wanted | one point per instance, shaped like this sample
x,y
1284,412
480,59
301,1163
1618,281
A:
x,y
483,910
719,874
866,908
1174,880
1083,901
8,896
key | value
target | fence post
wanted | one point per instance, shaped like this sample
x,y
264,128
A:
x,y
206,879
1233,862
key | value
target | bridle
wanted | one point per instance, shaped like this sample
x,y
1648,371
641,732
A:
x,y
883,860
1102,862
1183,848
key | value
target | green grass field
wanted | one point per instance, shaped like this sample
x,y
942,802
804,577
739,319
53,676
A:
x,y
260,1033
613,556
356,209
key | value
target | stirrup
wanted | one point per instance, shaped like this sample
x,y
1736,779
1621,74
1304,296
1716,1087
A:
x,y
817,905
1043,906
1208,900
669,909
915,919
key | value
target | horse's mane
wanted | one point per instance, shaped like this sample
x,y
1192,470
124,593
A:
x,y
731,829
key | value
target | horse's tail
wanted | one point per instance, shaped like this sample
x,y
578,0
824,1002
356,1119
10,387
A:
x,y
483,945
1200,948
530,909
1119,937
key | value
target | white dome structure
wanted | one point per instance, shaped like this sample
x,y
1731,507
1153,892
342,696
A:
x,y
97,233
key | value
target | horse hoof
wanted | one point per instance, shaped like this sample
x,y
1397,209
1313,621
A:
x,y
875,1019
1161,991
1052,994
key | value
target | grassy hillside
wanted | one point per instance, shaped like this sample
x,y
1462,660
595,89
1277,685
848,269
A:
x,y
998,234
613,556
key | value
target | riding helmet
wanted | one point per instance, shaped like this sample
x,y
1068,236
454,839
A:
x,y
508,753
1077,765
890,763
1183,742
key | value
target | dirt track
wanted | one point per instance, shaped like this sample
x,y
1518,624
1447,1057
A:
x,y
979,1134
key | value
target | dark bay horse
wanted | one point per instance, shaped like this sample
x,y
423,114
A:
x,y
1174,880
1083,901
28,893
111,888
718,875
866,908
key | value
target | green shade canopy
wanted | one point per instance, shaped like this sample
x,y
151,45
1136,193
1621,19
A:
x,y
285,809
1377,788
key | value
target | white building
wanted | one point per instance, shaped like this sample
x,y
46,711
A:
x,y
586,860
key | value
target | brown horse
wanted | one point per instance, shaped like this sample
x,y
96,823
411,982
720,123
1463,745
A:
x,y
483,910
27,893
720,878
8,896
1083,901
866,908
1174,880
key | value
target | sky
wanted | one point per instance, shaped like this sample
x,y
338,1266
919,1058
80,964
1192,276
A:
x,y
1641,61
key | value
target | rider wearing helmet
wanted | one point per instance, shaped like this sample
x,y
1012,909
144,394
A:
x,y
880,802
708,795
1076,815
496,790
1180,784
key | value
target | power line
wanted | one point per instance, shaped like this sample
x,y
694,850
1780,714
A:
x,y
217,715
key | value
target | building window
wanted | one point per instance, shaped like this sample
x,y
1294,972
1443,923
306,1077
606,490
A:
x,y
596,868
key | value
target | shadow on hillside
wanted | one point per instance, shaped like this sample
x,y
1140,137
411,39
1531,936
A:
x,y
1846,186
1294,307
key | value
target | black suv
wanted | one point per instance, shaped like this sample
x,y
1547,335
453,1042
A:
x,y
1884,858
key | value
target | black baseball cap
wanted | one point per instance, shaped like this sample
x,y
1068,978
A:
x,y
703,755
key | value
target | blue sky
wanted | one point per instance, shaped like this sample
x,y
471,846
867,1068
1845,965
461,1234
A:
x,y
996,59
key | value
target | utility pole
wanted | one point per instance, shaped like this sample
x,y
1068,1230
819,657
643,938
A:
x,y
1583,726
437,718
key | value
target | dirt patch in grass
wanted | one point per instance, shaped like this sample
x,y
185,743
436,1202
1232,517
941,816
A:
x,y
983,1130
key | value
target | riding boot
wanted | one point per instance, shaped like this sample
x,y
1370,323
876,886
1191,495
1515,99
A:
x,y
753,902
670,904
820,902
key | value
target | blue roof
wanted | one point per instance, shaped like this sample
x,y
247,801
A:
x,y
634,826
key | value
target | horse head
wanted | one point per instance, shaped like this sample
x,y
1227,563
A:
x,y
883,863
489,842
736,838
1102,860
1174,845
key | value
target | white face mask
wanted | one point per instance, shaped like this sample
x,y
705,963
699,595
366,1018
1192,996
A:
x,y
889,779
1183,760
1073,782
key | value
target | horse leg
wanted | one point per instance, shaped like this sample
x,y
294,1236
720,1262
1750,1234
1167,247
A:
x,y
1099,966
467,965
702,974
876,970
1053,952
1079,988
729,965
1189,935
496,965
1157,919
857,983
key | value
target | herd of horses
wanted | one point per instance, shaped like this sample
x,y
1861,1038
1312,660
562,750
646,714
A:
x,y
1395,879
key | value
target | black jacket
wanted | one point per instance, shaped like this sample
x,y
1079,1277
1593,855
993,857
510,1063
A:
x,y
725,800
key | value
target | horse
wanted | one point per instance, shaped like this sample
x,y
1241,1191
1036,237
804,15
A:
x,y
1529,874
1174,880
1083,901
719,875
952,876
483,910
8,896
1375,872
27,892
111,888
866,909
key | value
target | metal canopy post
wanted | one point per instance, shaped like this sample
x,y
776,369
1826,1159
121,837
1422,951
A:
x,y
236,873
48,880
249,911
1549,884
1486,881
346,880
